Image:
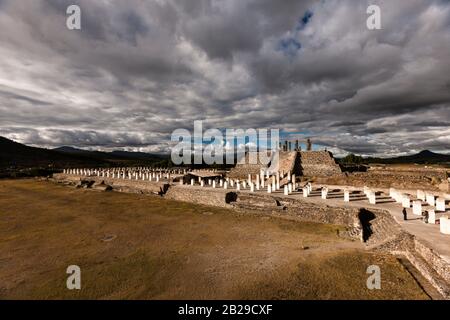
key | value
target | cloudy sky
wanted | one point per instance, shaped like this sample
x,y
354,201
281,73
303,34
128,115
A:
x,y
137,70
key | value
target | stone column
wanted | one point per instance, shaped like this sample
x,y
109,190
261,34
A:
x,y
269,189
346,196
440,204
372,197
286,191
431,217
430,199
305,192
324,193
417,208
406,201
444,225
192,182
421,195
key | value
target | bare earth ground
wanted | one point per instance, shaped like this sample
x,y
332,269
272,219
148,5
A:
x,y
161,249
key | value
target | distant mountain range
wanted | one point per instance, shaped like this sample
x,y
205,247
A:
x,y
111,156
423,157
17,155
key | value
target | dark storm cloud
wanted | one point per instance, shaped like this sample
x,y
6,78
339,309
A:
x,y
140,69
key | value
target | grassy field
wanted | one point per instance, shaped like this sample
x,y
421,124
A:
x,y
132,246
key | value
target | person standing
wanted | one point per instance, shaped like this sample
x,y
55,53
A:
x,y
405,214
426,216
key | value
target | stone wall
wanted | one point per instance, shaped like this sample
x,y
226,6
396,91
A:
x,y
306,163
401,179
218,197
318,163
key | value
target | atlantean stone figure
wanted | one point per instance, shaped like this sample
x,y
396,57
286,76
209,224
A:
x,y
308,145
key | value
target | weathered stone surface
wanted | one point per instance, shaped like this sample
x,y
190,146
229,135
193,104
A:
x,y
213,197
300,163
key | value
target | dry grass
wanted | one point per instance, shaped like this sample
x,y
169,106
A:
x,y
171,250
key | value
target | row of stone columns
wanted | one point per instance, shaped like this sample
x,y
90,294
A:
x,y
129,173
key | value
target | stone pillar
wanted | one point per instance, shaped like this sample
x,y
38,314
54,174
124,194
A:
x,y
286,191
372,197
181,181
421,195
252,187
346,196
192,182
444,225
238,186
202,183
440,204
406,201
214,183
430,199
221,182
257,182
417,208
431,217
305,192
269,189
324,193
278,179
290,189
225,185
